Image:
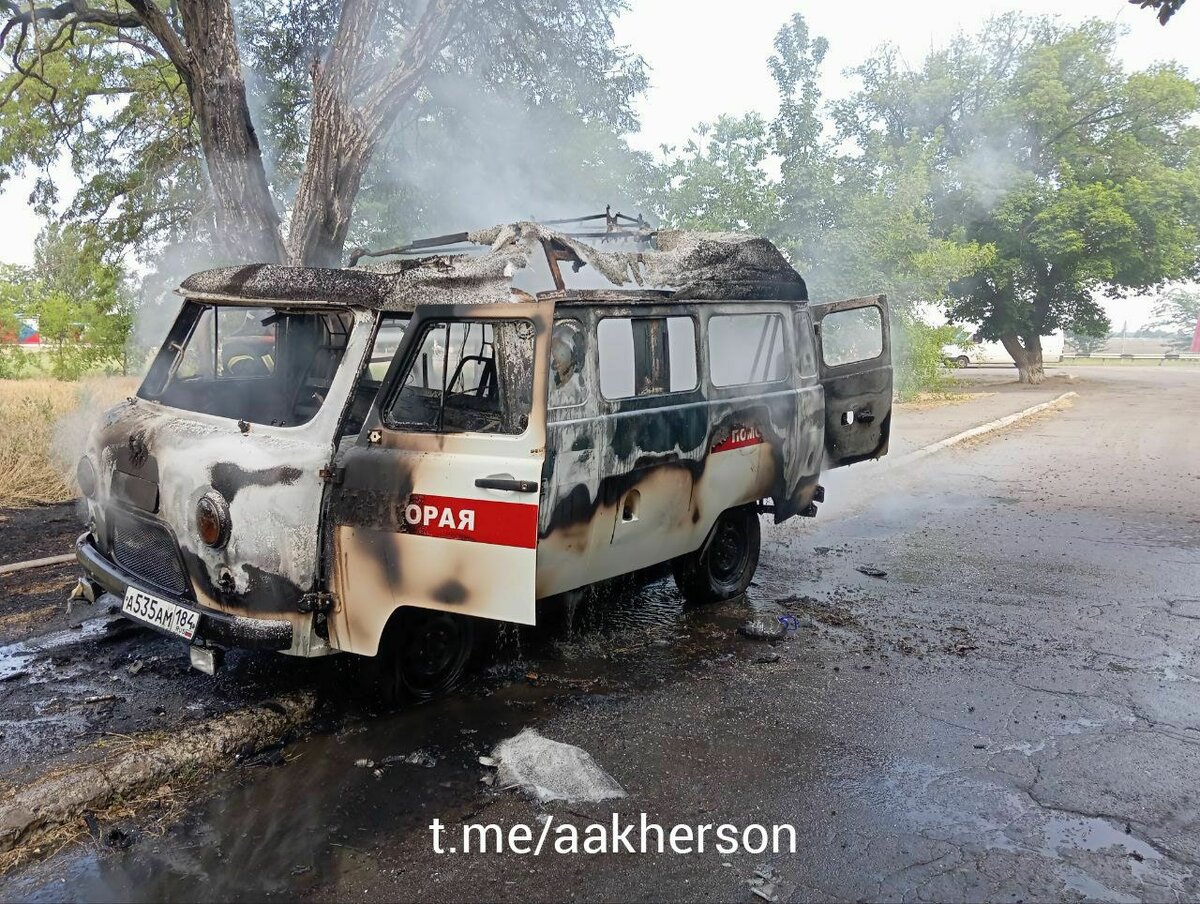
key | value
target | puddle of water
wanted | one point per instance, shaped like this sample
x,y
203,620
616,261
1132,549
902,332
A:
x,y
17,657
277,832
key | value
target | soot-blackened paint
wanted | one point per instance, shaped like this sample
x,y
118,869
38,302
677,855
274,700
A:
x,y
265,591
229,479
660,430
375,489
452,592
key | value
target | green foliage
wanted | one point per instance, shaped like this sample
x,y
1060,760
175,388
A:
x,y
918,362
83,312
1087,344
854,223
716,181
546,71
1165,8
1082,178
1178,312
1016,176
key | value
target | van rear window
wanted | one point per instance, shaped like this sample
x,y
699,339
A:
x,y
852,335
746,348
263,365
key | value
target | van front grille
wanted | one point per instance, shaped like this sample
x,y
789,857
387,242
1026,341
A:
x,y
148,550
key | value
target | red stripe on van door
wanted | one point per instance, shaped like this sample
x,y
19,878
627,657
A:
x,y
474,520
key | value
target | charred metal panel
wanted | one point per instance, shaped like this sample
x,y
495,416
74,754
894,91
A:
x,y
688,265
687,456
858,394
409,525
270,476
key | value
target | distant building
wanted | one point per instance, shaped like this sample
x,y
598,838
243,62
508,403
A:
x,y
26,333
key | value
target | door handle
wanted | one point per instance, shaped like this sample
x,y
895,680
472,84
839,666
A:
x,y
506,483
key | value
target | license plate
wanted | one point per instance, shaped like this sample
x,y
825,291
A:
x,y
160,613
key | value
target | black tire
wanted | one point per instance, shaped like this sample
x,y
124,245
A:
x,y
423,655
728,563
962,361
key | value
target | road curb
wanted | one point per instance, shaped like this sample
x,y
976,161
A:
x,y
63,797
984,429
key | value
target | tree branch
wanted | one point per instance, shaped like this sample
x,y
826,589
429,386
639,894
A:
x,y
157,23
383,101
77,9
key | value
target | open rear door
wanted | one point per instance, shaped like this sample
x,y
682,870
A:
x,y
854,340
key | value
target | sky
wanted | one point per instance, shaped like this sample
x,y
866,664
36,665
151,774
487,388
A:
x,y
707,64
710,58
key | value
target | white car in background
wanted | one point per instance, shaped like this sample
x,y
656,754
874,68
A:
x,y
981,351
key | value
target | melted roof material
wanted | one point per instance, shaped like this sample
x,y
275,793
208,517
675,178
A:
x,y
690,265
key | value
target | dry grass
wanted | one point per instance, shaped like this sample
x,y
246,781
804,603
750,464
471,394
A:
x,y
43,424
926,401
151,813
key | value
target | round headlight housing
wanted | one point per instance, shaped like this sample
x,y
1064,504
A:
x,y
212,519
85,476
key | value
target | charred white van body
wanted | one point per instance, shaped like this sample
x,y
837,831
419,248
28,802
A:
x,y
372,460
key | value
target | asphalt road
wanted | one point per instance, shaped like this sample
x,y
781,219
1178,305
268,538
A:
x,y
1011,713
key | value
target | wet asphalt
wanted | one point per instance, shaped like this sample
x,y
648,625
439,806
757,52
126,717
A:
x,y
1012,712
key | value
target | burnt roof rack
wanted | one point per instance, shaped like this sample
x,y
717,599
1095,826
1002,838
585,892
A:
x,y
617,226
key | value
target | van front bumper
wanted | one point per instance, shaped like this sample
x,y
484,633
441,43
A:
x,y
215,628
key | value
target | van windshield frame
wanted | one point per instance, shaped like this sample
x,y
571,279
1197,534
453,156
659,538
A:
x,y
259,363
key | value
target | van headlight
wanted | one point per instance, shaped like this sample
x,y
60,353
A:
x,y
85,476
212,519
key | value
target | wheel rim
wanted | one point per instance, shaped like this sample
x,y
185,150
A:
x,y
729,551
434,652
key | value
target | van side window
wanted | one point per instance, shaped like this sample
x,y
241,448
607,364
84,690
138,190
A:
x,y
645,356
806,352
746,348
456,381
568,358
614,338
681,345
850,336
231,342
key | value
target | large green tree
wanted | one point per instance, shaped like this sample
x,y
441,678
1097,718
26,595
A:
x,y
279,110
854,223
1081,177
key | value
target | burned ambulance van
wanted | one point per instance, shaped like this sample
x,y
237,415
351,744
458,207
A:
x,y
381,459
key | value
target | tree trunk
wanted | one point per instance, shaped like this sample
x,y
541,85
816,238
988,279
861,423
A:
x,y
246,220
350,116
1026,351
338,153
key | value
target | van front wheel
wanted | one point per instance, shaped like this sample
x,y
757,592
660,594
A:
x,y
725,568
423,655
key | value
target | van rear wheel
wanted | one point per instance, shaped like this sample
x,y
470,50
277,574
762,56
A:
x,y
725,568
424,655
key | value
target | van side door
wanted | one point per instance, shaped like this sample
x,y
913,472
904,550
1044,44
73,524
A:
x,y
855,366
436,502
